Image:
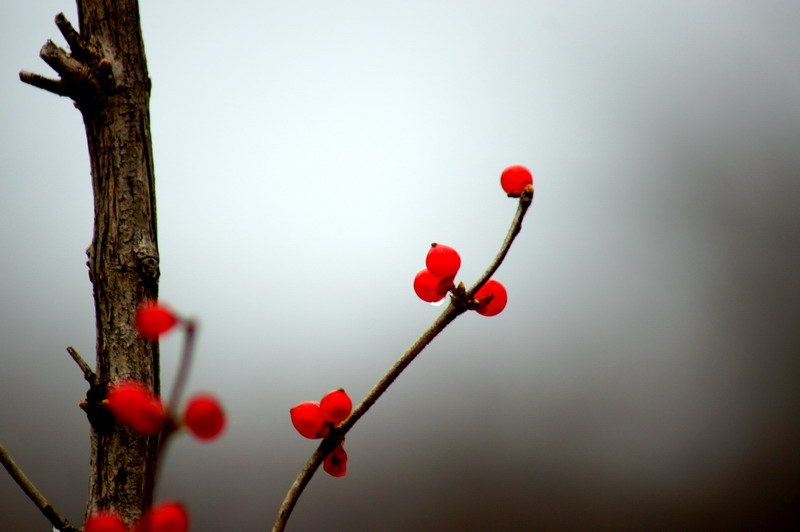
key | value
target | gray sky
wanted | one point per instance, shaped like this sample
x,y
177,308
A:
x,y
644,374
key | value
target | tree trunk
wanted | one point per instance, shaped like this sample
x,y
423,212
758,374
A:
x,y
105,73
123,256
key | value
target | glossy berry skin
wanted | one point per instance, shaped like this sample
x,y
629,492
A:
x,y
442,261
431,288
514,179
307,419
104,521
336,406
492,297
335,464
134,406
153,319
204,417
168,516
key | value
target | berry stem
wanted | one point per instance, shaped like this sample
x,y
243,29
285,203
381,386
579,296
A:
x,y
454,309
516,226
185,364
181,376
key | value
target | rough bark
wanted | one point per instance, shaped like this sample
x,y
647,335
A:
x,y
105,73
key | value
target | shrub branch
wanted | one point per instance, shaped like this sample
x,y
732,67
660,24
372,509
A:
x,y
459,303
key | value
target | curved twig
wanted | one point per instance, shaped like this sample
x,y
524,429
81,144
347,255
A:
x,y
457,306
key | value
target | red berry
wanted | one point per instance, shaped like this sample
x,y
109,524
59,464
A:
x,y
104,521
442,261
134,406
153,319
335,463
431,288
308,420
204,417
492,297
336,406
168,516
514,179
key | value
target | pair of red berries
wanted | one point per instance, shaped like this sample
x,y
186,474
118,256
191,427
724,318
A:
x,y
437,278
168,516
315,420
134,406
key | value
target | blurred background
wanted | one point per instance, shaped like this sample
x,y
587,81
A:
x,y
645,374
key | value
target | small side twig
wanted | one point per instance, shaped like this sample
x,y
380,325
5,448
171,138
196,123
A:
x,y
55,86
76,45
457,306
58,521
88,374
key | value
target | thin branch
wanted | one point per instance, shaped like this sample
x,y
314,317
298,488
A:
x,y
58,521
516,226
88,374
40,82
458,305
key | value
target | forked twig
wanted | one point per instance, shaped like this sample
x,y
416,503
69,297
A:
x,y
456,307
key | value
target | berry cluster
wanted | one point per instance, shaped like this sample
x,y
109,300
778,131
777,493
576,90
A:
x,y
434,281
133,405
437,279
168,516
315,420
136,407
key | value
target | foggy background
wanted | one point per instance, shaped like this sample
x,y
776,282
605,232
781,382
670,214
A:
x,y
645,374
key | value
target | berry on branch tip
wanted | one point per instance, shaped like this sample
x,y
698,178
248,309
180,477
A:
x,y
442,261
104,521
492,298
307,419
204,417
154,319
335,464
514,179
336,406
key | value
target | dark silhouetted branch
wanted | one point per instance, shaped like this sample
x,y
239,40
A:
x,y
58,521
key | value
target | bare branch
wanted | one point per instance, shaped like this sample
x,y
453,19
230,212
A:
x,y
40,82
76,46
88,374
516,226
59,60
458,305
58,521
